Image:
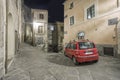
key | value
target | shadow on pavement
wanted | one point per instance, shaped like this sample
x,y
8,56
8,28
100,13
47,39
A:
x,y
60,59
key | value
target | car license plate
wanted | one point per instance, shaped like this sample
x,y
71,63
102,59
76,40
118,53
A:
x,y
89,53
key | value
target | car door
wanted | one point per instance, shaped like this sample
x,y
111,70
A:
x,y
73,50
67,49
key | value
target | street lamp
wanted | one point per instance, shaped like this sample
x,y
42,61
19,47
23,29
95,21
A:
x,y
81,35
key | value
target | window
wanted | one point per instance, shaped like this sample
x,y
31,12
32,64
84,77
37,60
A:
x,y
32,15
91,12
73,46
41,16
40,29
72,20
62,29
68,45
71,5
86,45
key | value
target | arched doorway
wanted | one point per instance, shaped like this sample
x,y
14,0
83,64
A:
x,y
10,40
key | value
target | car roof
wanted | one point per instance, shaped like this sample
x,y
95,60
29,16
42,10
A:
x,y
81,41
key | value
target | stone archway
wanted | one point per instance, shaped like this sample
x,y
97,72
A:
x,y
10,38
118,39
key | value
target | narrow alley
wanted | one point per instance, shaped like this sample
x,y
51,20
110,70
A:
x,y
34,64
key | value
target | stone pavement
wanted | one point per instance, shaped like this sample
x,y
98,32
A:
x,y
16,73
34,64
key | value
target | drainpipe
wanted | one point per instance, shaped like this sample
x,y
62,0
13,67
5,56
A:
x,y
6,48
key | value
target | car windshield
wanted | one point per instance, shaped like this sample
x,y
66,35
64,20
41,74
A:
x,y
86,45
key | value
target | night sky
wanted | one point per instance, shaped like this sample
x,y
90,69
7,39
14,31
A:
x,y
55,8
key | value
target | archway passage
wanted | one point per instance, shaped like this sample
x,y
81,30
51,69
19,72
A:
x,y
10,40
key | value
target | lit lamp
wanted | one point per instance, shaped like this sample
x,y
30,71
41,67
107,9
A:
x,y
35,24
52,28
81,35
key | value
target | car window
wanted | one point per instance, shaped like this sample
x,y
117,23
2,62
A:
x,y
86,45
73,46
68,45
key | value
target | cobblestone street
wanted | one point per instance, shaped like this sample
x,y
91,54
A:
x,y
34,64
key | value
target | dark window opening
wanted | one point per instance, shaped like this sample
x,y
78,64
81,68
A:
x,y
72,20
71,5
41,16
91,12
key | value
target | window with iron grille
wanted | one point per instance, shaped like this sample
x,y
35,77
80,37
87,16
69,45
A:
x,y
41,16
91,12
72,20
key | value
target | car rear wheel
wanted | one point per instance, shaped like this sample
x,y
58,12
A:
x,y
75,61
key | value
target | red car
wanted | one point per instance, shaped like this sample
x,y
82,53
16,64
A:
x,y
81,51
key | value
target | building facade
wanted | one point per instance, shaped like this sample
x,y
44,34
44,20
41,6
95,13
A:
x,y
10,32
98,19
40,23
55,36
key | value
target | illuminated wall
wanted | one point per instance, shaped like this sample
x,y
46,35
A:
x,y
40,23
96,29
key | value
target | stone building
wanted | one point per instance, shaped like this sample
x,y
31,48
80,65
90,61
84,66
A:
x,y
40,23
97,19
55,36
10,32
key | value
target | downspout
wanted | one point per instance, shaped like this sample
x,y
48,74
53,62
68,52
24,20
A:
x,y
6,48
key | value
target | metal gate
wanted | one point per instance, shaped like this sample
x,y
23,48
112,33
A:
x,y
108,51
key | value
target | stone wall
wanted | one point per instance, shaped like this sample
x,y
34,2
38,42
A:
x,y
1,40
10,22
